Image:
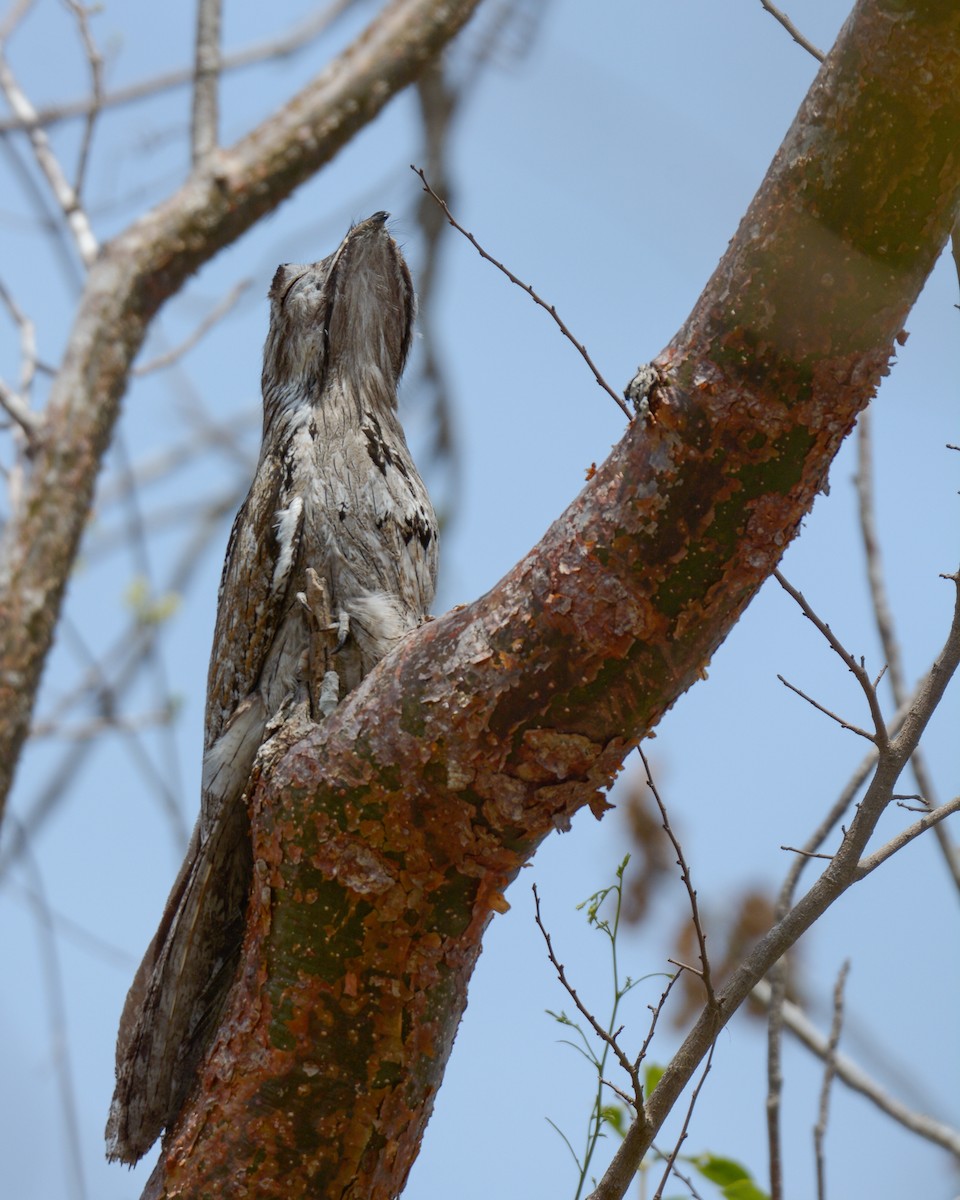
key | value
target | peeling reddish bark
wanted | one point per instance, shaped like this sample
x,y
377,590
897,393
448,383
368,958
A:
x,y
384,838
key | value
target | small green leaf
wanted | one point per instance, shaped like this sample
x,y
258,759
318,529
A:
x,y
614,1116
733,1179
744,1189
651,1077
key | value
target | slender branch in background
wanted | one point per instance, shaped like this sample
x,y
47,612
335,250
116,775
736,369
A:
x,y
687,881
66,927
95,59
775,1020
526,287
792,30
57,1016
63,193
206,86
298,38
827,712
829,1070
28,343
217,313
18,11
885,624
799,1024
97,726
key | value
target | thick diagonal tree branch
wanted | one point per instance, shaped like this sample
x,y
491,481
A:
x,y
383,840
128,282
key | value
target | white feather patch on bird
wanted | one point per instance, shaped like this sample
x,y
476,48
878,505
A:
x,y
287,525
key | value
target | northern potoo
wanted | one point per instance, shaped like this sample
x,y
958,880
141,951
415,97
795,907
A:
x,y
331,560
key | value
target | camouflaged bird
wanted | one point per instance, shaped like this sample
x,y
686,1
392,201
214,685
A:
x,y
331,561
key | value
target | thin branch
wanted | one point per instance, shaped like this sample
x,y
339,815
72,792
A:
x,y
807,853
526,287
803,1029
655,1017
206,87
792,30
97,726
95,59
217,313
607,1038
856,668
827,712
687,881
672,1158
28,341
684,1179
64,194
829,1070
17,12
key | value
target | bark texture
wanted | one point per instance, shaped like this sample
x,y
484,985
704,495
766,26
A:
x,y
384,839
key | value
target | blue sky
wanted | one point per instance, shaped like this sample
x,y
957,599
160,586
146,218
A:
x,y
609,166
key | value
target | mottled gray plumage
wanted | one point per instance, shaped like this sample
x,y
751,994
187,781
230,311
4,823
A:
x,y
331,560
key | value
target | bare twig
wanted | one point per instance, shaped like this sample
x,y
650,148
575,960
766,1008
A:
x,y
792,30
682,1137
856,667
655,1011
687,881
807,853
829,1070
526,287
607,1038
217,313
827,712
205,117
28,341
803,1029
95,59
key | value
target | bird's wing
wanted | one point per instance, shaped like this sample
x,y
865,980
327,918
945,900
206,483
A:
x,y
260,556
182,980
